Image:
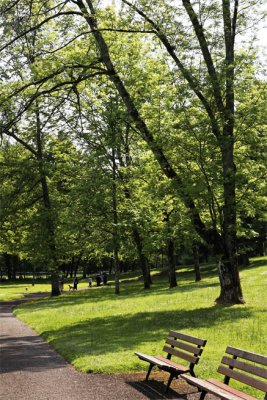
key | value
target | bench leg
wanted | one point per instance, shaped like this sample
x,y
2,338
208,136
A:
x,y
169,382
192,372
203,394
149,370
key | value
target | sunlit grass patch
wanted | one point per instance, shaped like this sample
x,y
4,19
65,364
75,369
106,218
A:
x,y
19,289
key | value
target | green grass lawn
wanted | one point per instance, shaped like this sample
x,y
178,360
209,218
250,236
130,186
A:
x,y
98,331
19,289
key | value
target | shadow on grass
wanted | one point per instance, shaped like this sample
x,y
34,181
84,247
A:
x,y
113,334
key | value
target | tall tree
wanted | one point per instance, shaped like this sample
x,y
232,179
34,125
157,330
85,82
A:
x,y
219,105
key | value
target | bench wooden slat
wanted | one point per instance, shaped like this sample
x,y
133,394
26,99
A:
x,y
187,347
256,383
185,356
172,364
152,359
187,338
230,389
253,369
211,388
254,357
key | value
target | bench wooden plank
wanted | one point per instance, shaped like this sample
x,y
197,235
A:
x,y
253,369
230,389
249,380
181,354
178,367
209,387
152,359
187,338
184,346
254,357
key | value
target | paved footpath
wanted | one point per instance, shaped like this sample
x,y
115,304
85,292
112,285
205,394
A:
x,y
31,370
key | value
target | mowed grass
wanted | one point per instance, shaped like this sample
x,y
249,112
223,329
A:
x,y
98,331
19,289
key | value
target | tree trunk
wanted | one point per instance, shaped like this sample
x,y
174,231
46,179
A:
x,y
196,262
55,289
171,263
8,265
49,222
143,262
115,225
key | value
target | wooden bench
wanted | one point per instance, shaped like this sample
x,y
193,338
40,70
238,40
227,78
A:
x,y
185,347
243,366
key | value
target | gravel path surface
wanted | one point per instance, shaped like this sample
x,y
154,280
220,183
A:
x,y
31,370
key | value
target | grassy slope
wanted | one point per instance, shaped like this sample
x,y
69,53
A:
x,y
99,332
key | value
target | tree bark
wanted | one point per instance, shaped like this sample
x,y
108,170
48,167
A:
x,y
142,259
172,263
49,222
143,262
196,262
116,244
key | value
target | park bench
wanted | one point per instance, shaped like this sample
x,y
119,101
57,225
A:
x,y
185,347
244,367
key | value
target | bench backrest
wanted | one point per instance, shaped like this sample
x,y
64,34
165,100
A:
x,y
188,348
245,367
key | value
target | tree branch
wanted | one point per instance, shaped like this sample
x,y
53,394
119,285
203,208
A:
x,y
186,74
206,54
34,28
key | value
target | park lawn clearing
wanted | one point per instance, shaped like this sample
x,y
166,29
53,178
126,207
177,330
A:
x,y
97,331
19,289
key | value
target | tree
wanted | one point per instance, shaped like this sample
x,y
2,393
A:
x,y
218,102
201,59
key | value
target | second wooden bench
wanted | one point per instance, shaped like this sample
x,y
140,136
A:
x,y
242,366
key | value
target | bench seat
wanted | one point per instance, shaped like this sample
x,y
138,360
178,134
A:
x,y
217,388
163,363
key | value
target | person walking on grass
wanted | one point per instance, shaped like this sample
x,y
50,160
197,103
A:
x,y
75,283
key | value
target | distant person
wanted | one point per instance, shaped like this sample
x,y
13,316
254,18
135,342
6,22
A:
x,y
75,283
105,278
98,280
90,281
